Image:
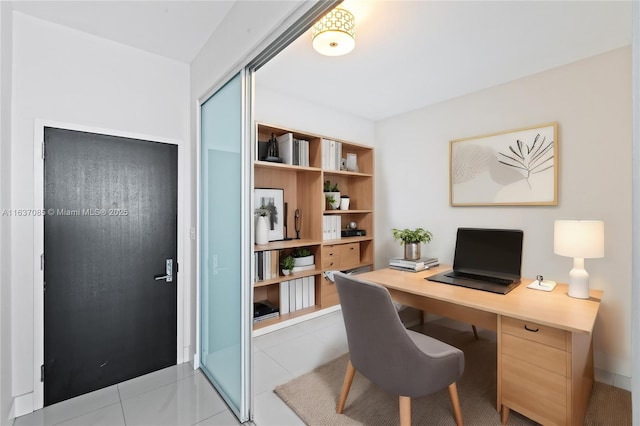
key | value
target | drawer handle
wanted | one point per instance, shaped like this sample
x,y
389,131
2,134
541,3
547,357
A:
x,y
352,248
531,329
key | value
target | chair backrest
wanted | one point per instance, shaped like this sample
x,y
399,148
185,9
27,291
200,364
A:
x,y
380,347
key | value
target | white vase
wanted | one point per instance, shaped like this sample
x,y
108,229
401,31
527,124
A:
x,y
344,203
262,230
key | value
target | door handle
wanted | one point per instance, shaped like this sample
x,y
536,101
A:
x,y
168,276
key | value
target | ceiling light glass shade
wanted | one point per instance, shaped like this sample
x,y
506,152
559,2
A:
x,y
334,35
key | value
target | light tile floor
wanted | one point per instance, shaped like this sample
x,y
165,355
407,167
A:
x,y
180,395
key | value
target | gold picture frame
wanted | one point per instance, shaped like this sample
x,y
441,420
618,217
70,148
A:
x,y
512,168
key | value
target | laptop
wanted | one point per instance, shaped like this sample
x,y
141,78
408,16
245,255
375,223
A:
x,y
485,259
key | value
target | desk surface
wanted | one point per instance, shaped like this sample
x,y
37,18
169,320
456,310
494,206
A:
x,y
554,308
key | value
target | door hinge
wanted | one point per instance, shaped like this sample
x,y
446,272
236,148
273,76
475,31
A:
x,y
43,150
42,373
42,262
177,269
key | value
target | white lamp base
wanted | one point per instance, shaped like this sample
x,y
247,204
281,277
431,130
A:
x,y
578,280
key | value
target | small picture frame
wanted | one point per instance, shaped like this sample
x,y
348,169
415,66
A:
x,y
273,200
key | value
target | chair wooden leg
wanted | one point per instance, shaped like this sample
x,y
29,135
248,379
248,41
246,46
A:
x,y
475,332
405,411
346,385
455,402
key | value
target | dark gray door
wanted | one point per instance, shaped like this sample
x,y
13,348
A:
x,y
110,228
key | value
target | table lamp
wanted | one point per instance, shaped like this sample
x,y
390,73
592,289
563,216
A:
x,y
580,239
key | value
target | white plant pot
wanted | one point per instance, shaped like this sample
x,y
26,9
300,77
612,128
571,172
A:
x,y
262,230
344,203
336,199
304,261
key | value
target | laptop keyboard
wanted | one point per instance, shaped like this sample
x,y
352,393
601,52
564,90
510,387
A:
x,y
495,280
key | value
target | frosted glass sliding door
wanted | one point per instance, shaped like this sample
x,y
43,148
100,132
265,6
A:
x,y
225,327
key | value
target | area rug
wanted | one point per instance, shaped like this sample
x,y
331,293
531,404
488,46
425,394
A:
x,y
313,396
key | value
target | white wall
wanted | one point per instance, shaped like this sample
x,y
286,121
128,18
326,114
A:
x,y
279,109
5,221
591,101
67,76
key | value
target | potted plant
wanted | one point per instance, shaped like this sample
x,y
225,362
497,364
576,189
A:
x,y
412,238
302,257
332,194
287,263
262,225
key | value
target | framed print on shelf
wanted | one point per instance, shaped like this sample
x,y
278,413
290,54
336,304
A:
x,y
512,168
273,200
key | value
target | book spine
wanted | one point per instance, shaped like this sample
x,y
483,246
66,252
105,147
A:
x,y
312,290
401,268
414,267
284,297
405,263
298,286
305,292
292,295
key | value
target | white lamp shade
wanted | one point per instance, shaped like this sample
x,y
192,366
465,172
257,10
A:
x,y
579,238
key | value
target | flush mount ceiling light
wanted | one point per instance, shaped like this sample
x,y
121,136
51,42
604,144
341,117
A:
x,y
333,35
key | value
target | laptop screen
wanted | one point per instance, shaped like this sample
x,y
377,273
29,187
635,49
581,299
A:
x,y
489,251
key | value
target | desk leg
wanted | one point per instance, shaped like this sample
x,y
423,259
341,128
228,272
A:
x,y
499,365
505,415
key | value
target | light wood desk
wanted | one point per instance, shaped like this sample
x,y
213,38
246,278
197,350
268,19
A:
x,y
545,352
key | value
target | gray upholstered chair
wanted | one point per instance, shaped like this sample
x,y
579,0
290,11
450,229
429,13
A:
x,y
399,361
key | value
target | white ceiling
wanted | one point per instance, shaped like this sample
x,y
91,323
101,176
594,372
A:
x,y
173,29
408,54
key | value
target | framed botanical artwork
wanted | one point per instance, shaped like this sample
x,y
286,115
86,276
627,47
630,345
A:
x,y
273,201
512,168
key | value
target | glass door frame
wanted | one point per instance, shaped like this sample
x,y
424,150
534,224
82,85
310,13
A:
x,y
243,410
289,30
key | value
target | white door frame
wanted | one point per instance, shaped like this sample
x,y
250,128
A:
x,y
38,240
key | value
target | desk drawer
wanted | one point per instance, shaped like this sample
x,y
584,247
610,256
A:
x,y
533,391
543,356
331,257
349,255
535,332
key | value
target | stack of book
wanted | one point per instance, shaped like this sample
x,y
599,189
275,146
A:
x,y
263,310
266,264
331,227
297,293
331,154
413,265
293,151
